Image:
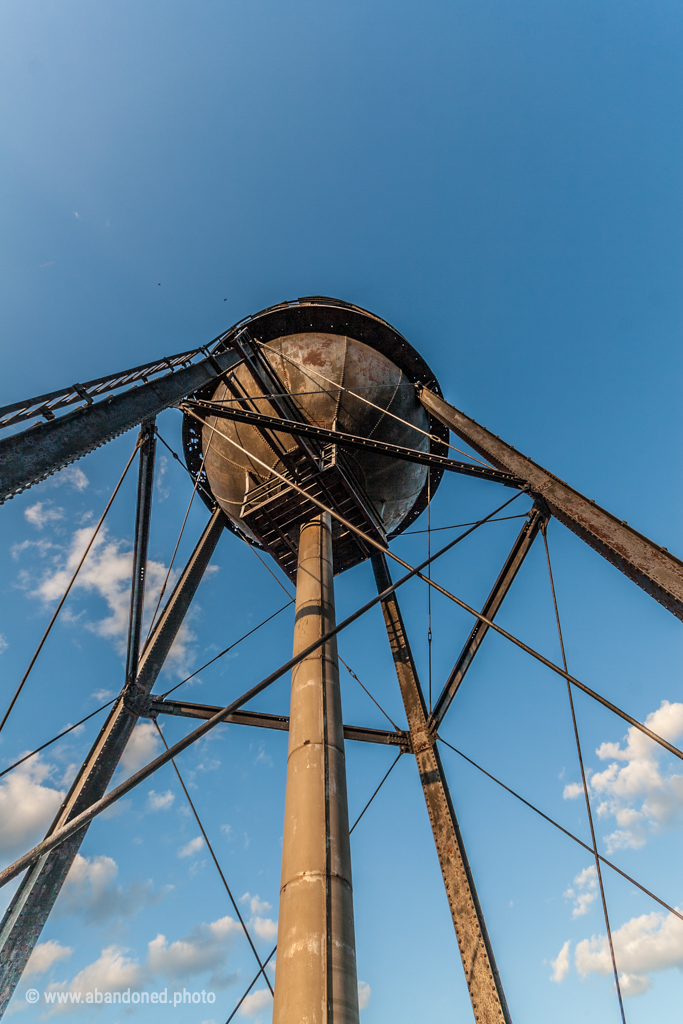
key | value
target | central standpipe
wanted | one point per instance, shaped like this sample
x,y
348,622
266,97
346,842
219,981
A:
x,y
316,961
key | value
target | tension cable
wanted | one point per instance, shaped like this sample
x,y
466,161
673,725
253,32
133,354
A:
x,y
584,782
213,856
66,592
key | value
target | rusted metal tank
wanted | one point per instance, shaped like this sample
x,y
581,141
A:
x,y
332,379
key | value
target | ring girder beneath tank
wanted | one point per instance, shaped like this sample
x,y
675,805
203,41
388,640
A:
x,y
319,371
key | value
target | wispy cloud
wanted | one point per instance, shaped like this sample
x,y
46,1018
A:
x,y
106,574
255,1003
638,789
160,801
29,800
364,993
204,951
92,892
264,927
41,514
72,476
44,956
194,846
560,964
584,892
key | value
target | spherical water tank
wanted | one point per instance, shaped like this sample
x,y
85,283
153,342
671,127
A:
x,y
333,379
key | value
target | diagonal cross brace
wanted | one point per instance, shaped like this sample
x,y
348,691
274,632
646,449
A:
x,y
32,903
483,981
520,549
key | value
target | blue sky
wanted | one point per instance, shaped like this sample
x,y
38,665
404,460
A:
x,y
500,181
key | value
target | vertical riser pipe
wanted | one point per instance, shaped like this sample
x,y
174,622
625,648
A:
x,y
316,964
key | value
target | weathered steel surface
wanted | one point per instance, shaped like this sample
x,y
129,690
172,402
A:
x,y
25,917
309,365
519,551
34,454
326,316
316,964
281,722
54,402
483,981
233,412
659,573
143,513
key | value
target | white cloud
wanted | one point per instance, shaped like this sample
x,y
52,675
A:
x,y
4,643
192,847
203,950
112,971
40,514
27,805
141,748
255,1003
91,892
256,905
642,946
586,891
44,956
103,694
160,801
106,573
635,789
163,492
265,928
364,993
73,476
560,964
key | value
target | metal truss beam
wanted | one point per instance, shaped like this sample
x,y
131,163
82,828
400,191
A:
x,y
265,721
396,451
519,551
28,457
659,573
483,981
33,901
56,401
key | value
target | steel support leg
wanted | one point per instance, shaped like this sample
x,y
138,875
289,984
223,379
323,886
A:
x,y
26,916
316,961
483,981
520,550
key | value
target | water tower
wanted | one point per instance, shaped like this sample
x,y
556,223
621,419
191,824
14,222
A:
x,y
315,432
341,370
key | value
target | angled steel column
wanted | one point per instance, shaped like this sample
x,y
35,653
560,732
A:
x,y
25,917
483,981
520,549
28,457
659,573
316,964
143,513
